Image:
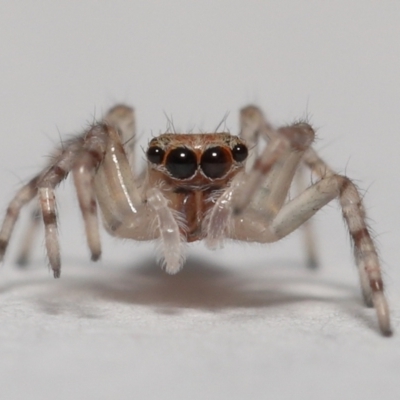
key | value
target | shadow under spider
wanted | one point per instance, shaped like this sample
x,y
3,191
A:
x,y
200,285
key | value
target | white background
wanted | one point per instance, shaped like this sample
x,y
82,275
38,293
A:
x,y
245,322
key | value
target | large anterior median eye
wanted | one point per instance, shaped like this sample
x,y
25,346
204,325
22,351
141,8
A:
x,y
155,154
215,162
181,163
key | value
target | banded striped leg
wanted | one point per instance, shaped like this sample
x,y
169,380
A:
x,y
121,118
82,156
254,226
322,169
46,185
23,197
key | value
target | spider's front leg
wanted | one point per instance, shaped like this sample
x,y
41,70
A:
x,y
303,207
266,186
253,127
83,156
265,218
132,209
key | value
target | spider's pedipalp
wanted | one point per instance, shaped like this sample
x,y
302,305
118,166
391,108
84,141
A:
x,y
170,237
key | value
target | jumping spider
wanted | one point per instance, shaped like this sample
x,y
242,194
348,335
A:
x,y
196,187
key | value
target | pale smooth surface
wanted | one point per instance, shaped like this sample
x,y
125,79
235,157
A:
x,y
248,321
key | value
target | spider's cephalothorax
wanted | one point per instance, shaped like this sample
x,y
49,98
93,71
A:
x,y
197,186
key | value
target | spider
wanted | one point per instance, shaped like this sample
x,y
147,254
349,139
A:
x,y
206,186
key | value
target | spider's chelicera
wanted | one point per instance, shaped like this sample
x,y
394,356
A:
x,y
207,187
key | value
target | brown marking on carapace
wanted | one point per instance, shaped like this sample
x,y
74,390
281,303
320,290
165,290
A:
x,y
198,142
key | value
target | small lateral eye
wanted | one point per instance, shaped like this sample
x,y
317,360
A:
x,y
181,163
215,162
155,154
240,152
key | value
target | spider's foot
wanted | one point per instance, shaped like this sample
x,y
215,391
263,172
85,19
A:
x,y
55,264
95,256
382,310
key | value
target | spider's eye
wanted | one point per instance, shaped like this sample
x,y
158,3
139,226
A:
x,y
215,162
240,152
181,163
155,154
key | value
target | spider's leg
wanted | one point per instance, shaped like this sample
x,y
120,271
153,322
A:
x,y
257,227
83,171
266,186
253,126
132,212
25,249
122,117
307,227
23,197
46,185
316,164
